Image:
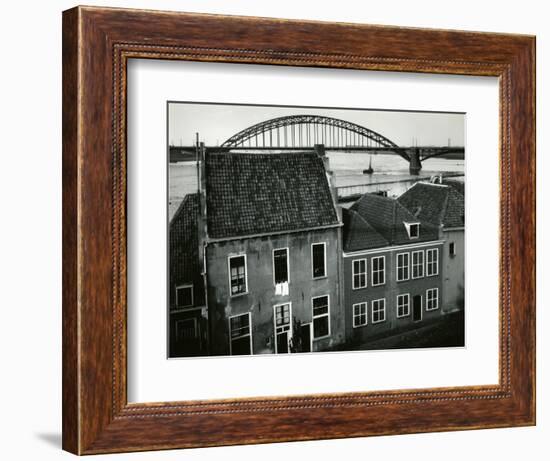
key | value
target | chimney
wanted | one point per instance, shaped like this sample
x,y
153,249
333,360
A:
x,y
202,231
320,151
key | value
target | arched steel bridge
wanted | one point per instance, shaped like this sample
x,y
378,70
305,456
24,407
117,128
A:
x,y
304,131
298,132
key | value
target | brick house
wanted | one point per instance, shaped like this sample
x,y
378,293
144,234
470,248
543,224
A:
x,y
268,239
443,205
392,269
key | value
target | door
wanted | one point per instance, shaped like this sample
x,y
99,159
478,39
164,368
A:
x,y
283,328
417,308
305,337
188,337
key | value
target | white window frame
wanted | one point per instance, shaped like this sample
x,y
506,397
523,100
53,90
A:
x,y
436,261
289,335
353,273
453,246
408,304
372,271
413,265
185,285
366,305
324,260
429,299
229,258
372,310
313,317
408,226
287,263
242,336
408,266
195,326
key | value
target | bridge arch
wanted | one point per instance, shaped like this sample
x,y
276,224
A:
x,y
295,131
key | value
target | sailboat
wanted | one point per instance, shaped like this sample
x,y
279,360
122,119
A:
x,y
369,170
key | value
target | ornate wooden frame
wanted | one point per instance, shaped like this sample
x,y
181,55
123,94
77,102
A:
x,y
97,43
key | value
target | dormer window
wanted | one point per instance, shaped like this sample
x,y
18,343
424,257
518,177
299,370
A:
x,y
413,229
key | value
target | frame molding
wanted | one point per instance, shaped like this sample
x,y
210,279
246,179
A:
x,y
97,43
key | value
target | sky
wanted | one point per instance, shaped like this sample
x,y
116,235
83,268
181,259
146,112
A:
x,y
217,122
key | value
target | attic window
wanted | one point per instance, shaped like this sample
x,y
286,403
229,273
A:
x,y
413,229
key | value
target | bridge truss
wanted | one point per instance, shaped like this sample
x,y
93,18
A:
x,y
304,131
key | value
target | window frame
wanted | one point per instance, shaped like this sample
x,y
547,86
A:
x,y
452,249
366,314
287,264
313,317
418,265
185,285
408,226
373,311
436,261
436,299
289,331
408,267
372,271
229,258
242,336
353,273
408,295
324,261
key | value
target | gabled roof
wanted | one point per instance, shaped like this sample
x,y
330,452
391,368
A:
x,y
257,193
388,217
358,234
439,204
184,245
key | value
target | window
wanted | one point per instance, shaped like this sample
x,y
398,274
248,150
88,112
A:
x,y
432,299
321,322
237,274
378,310
432,262
403,305
240,342
318,260
378,270
359,273
184,296
417,264
452,249
402,267
186,330
280,265
413,229
283,329
359,314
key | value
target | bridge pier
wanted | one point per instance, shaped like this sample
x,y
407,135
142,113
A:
x,y
415,165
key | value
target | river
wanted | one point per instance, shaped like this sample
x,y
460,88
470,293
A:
x,y
391,173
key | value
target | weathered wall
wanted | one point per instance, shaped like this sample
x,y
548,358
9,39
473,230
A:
x,y
453,281
389,290
261,297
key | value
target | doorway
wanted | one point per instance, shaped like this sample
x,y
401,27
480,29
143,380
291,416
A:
x,y
417,308
282,316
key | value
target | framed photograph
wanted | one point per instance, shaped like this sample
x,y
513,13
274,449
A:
x,y
284,230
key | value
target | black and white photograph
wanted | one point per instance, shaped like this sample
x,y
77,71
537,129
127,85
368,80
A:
x,y
309,229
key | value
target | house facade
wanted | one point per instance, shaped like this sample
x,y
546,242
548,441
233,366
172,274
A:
x,y
188,319
392,269
442,204
268,255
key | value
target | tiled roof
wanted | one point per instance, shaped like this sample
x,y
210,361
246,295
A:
x,y
388,217
435,203
184,246
359,234
260,193
457,185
